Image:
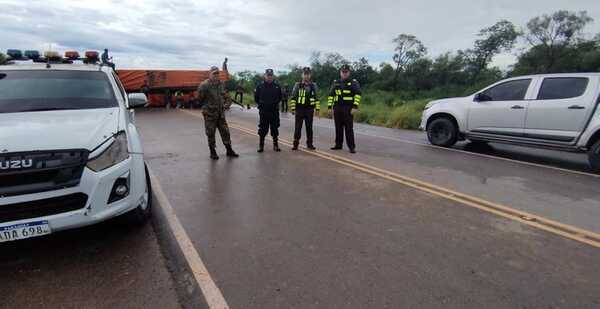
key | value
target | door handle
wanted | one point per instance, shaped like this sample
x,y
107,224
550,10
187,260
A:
x,y
517,107
576,107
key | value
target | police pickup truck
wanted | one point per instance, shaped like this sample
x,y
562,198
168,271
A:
x,y
555,111
70,154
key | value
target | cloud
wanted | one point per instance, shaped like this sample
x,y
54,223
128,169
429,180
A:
x,y
260,33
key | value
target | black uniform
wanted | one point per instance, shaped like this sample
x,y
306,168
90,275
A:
x,y
343,97
267,96
303,101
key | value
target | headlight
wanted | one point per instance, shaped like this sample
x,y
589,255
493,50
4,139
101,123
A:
x,y
115,153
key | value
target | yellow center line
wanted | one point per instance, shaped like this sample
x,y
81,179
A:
x,y
565,230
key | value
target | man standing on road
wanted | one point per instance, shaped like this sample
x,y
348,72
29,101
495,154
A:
x,y
267,96
239,93
304,103
344,97
215,99
284,98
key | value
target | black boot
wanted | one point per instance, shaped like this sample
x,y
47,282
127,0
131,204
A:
x,y
310,146
230,153
276,145
213,153
261,144
336,147
296,143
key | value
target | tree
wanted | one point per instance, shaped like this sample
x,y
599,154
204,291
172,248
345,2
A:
x,y
493,40
407,51
363,71
554,34
2,58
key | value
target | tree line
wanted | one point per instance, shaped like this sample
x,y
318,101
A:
x,y
553,43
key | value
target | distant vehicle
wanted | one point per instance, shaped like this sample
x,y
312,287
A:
x,y
70,154
556,111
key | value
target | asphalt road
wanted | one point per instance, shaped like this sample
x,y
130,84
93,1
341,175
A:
x,y
299,230
293,230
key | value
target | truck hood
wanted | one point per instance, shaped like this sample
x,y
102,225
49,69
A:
x,y
458,100
54,130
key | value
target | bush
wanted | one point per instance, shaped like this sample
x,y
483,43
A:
x,y
2,58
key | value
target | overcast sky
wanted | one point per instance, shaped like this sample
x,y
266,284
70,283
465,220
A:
x,y
256,34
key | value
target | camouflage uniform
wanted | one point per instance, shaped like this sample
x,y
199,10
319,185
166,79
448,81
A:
x,y
215,100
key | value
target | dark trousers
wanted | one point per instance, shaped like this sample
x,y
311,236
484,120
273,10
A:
x,y
304,115
269,118
241,96
344,123
284,105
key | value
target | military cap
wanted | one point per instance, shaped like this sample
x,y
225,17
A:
x,y
306,70
269,72
345,67
214,69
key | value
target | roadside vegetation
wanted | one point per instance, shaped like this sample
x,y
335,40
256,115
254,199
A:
x,y
2,58
395,92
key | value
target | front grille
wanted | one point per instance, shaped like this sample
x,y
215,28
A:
x,y
40,171
42,208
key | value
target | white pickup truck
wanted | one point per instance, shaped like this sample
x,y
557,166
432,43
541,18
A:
x,y
70,153
556,111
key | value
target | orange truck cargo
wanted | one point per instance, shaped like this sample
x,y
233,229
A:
x,y
158,83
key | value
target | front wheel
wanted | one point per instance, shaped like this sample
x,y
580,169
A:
x,y
594,157
442,132
143,212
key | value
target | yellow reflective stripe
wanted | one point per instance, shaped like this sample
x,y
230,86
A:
x,y
329,101
347,98
347,91
318,105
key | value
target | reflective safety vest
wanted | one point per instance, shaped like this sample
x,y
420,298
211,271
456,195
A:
x,y
344,93
305,98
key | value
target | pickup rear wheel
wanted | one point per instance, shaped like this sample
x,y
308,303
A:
x,y
442,132
594,156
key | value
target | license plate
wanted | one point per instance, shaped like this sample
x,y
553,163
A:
x,y
24,230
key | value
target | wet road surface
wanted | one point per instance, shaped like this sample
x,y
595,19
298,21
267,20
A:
x,y
293,230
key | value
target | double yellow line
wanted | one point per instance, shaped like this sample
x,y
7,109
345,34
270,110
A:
x,y
564,230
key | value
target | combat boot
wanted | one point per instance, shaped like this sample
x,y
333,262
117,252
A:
x,y
296,143
230,153
310,146
261,144
276,144
213,153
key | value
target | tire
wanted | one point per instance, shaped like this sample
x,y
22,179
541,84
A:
x,y
594,156
442,132
140,215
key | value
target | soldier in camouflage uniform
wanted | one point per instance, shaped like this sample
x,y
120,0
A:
x,y
215,100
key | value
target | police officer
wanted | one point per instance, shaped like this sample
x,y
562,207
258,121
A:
x,y
215,99
344,97
267,96
304,103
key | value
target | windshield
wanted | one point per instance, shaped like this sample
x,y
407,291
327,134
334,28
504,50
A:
x,y
42,90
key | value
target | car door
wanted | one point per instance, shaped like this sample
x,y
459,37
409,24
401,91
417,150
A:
x,y
501,109
561,109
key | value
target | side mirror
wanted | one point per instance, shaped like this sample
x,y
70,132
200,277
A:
x,y
137,100
481,97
